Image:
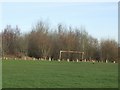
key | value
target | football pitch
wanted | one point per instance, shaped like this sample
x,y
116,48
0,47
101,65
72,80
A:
x,y
54,74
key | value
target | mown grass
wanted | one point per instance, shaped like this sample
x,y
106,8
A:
x,y
54,74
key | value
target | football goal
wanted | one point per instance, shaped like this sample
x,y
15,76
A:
x,y
71,55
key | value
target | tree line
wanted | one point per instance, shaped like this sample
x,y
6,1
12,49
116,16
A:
x,y
44,42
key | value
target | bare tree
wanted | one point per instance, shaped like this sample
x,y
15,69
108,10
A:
x,y
41,42
109,50
10,40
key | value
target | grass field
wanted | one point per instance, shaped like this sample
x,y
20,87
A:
x,y
54,74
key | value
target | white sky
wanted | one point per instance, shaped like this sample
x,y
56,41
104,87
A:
x,y
99,19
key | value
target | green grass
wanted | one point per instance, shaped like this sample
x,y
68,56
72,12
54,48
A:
x,y
54,74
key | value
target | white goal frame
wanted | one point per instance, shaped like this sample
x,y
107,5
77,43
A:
x,y
64,51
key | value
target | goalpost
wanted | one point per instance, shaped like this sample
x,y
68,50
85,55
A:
x,y
70,54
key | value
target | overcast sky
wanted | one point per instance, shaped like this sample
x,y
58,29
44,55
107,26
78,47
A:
x,y
99,19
